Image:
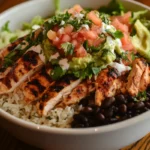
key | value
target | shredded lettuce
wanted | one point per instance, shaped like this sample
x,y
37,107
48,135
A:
x,y
7,36
37,20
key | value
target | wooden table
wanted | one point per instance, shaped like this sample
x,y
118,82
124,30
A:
x,y
7,141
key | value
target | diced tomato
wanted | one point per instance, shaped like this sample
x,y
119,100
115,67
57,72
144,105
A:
x,y
65,38
80,51
74,42
119,26
125,19
51,34
91,35
68,29
94,18
97,42
95,28
76,9
126,42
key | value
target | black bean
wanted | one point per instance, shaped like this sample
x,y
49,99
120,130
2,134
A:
x,y
108,102
145,109
108,112
147,104
121,99
87,110
79,126
96,110
100,117
115,109
139,105
84,102
130,105
80,118
129,98
123,108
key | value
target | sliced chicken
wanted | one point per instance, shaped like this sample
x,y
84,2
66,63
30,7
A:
x,y
55,94
21,43
78,93
107,84
9,48
25,67
138,78
37,85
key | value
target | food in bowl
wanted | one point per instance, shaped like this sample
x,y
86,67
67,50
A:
x,y
81,68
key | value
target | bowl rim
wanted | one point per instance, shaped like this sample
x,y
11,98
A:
x,y
70,131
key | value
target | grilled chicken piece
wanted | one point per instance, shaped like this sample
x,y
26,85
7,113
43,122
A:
x,y
26,66
55,94
10,47
138,78
107,84
78,93
37,85
21,43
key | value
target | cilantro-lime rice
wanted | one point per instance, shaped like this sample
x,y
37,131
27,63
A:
x,y
79,68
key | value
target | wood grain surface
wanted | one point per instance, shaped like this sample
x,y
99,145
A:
x,y
8,142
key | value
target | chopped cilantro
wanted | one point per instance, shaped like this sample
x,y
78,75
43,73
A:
x,y
68,48
105,18
57,73
89,71
116,34
90,49
124,56
96,70
142,96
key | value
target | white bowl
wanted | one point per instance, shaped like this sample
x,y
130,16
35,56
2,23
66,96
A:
x,y
110,137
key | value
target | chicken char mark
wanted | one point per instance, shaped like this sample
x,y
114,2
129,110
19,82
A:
x,y
107,84
84,89
36,86
11,47
21,70
54,94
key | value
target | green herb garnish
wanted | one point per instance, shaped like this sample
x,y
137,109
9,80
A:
x,y
116,34
68,48
142,96
57,73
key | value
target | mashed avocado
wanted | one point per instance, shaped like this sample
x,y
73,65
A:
x,y
141,40
107,54
80,63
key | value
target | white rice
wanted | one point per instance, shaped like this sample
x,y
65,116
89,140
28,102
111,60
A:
x,y
14,104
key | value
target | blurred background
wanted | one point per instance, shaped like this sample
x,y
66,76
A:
x,y
5,4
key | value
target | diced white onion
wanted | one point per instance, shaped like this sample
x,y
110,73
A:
x,y
79,16
55,56
64,64
86,26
